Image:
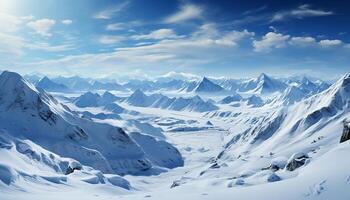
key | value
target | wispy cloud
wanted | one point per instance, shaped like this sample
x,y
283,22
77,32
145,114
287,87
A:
x,y
186,12
110,39
44,46
158,34
200,47
300,13
42,26
256,10
67,22
11,44
259,16
110,12
123,25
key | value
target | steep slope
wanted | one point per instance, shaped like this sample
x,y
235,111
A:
x,y
24,163
291,95
189,86
48,85
32,114
300,126
207,86
307,86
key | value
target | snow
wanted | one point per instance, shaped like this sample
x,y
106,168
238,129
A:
x,y
47,84
159,146
207,86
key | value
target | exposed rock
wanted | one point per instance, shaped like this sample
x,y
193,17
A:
x,y
209,123
72,167
297,160
346,132
277,164
273,178
175,184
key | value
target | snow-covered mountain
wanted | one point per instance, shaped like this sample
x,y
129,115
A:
x,y
262,85
138,98
291,95
97,85
74,82
281,130
197,104
207,86
30,113
79,83
48,85
90,99
299,126
230,99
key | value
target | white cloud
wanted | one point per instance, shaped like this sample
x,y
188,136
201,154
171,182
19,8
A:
x,y
302,41
299,13
67,22
48,47
110,12
158,34
186,12
330,43
269,41
180,52
110,39
123,25
11,44
233,37
115,27
42,26
9,23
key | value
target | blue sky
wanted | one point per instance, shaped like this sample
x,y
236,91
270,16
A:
x,y
140,38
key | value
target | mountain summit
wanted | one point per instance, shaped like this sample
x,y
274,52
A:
x,y
208,86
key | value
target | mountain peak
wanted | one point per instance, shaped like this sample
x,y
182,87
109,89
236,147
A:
x,y
263,77
205,79
7,75
137,92
11,80
208,86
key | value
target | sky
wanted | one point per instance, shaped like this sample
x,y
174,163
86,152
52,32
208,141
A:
x,y
145,38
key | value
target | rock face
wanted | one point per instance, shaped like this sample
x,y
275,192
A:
x,y
297,160
346,132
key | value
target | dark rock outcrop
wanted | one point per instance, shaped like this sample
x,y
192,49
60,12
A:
x,y
346,132
297,160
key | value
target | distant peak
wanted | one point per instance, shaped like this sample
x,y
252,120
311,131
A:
x,y
263,76
45,79
205,79
138,91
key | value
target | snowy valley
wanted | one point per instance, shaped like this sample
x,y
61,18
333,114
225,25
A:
x,y
174,138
